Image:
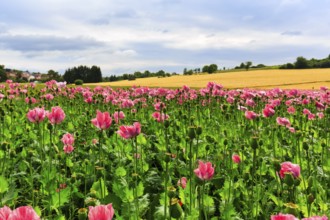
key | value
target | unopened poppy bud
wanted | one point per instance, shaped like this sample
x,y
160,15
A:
x,y
192,132
297,181
171,191
50,127
254,143
199,130
166,124
175,209
305,145
310,198
225,142
288,179
82,214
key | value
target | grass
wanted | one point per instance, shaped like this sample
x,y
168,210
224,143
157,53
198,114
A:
x,y
260,79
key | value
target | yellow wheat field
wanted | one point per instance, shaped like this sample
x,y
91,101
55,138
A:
x,y
259,79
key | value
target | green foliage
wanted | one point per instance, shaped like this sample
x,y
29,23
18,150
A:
x,y
86,74
78,82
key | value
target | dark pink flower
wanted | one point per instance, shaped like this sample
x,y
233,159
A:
x,y
283,217
182,182
316,218
102,121
67,139
5,212
131,131
101,212
23,213
291,110
36,115
56,116
205,171
250,115
319,106
236,158
290,168
283,121
268,112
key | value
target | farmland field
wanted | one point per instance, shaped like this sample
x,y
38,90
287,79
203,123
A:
x,y
158,153
261,79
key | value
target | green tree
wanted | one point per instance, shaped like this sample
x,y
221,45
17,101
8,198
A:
x,y
205,69
3,74
248,64
301,63
213,68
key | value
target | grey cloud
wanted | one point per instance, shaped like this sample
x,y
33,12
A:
x,y
292,33
26,43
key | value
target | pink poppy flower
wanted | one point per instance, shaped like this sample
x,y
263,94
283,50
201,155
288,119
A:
x,y
316,218
288,167
118,115
283,217
319,106
250,115
291,110
268,112
205,171
36,115
56,116
23,213
102,121
306,111
128,132
5,212
68,149
182,182
283,121
236,158
160,117
67,139
101,212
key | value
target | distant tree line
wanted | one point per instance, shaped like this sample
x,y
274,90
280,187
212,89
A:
x,y
137,74
84,73
3,75
303,63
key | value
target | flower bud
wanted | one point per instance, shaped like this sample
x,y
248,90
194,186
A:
x,y
199,130
82,214
288,179
254,143
192,132
310,198
175,209
171,192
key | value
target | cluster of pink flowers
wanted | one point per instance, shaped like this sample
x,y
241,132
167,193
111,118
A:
x,y
68,140
37,115
20,213
281,216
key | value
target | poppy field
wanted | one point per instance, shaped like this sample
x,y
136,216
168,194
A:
x,y
157,153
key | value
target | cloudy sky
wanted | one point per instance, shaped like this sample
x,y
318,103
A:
x,y
124,36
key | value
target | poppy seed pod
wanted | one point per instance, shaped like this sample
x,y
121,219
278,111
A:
x,y
175,209
82,214
192,132
254,143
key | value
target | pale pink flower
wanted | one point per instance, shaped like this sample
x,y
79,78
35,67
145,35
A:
x,y
102,121
283,121
118,115
68,149
159,106
5,212
128,132
288,167
320,115
101,212
23,213
49,97
323,88
292,129
182,182
95,141
291,110
56,116
281,216
160,117
68,139
36,115
205,171
250,115
236,158
311,116
306,111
